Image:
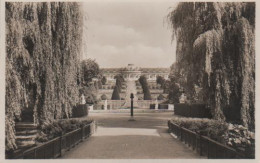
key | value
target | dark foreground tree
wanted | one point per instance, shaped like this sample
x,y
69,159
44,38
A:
x,y
43,48
215,56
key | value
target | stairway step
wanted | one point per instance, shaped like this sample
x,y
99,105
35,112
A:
x,y
25,137
26,132
23,144
20,124
25,127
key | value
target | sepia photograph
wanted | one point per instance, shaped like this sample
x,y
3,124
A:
x,y
129,80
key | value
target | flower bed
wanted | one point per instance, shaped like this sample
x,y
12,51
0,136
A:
x,y
235,136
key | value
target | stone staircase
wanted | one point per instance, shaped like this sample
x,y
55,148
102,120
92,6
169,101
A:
x,y
130,88
25,134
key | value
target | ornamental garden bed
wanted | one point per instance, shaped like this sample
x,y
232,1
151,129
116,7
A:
x,y
214,139
55,138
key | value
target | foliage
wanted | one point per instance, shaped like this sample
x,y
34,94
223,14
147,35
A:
x,y
215,57
51,130
174,91
207,127
145,87
99,84
160,97
160,80
235,136
90,93
90,70
43,45
104,80
103,97
119,81
192,110
239,137
115,95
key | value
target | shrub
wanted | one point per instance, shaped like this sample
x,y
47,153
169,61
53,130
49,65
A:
x,y
192,110
80,110
160,97
235,136
207,127
239,137
103,97
146,91
51,130
103,80
160,80
115,95
163,106
90,70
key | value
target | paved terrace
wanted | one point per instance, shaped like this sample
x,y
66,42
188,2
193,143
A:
x,y
118,138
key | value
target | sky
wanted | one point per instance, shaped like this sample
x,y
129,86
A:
x,y
118,33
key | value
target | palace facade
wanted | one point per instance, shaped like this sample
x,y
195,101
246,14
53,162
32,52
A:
x,y
133,73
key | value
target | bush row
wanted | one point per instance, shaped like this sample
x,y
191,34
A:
x,y
192,110
80,110
235,136
51,130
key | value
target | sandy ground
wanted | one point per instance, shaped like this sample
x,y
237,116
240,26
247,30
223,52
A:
x,y
118,138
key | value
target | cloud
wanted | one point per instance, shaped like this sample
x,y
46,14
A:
x,y
132,32
141,55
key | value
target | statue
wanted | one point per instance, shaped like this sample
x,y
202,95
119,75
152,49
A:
x,y
82,99
156,105
105,105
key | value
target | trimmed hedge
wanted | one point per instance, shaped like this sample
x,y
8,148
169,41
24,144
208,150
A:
x,y
163,106
145,87
51,130
152,106
80,110
192,110
115,95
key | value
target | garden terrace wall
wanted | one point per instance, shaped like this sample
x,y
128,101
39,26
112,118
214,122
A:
x,y
192,110
56,147
204,145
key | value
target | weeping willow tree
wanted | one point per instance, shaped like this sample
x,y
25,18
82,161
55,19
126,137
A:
x,y
215,57
43,48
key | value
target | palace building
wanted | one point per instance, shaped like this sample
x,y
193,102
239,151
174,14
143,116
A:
x,y
133,73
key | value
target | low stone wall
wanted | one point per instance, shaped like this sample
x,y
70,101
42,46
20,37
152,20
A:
x,y
117,104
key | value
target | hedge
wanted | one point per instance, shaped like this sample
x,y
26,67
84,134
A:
x,y
192,110
152,106
80,110
163,106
